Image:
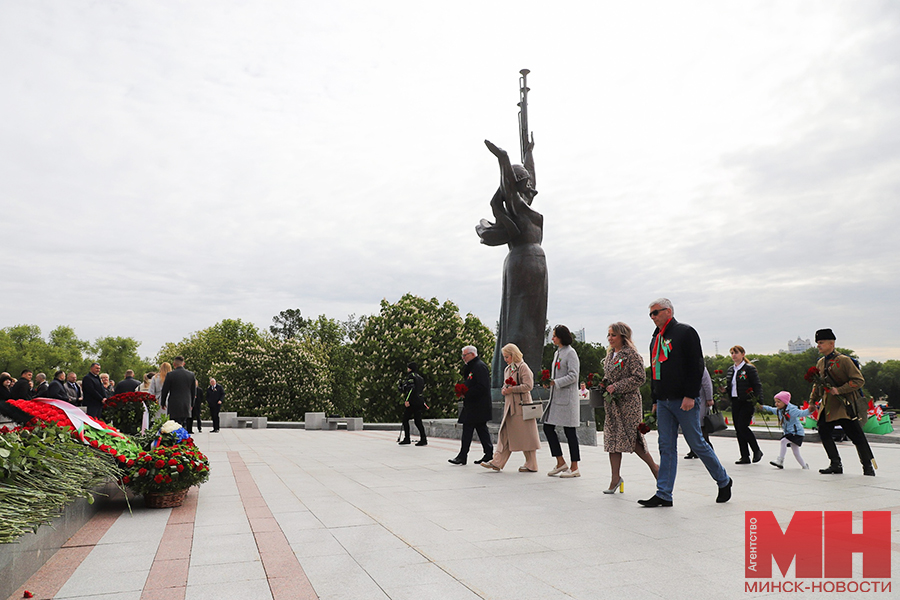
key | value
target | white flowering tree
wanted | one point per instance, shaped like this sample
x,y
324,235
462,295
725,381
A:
x,y
422,331
276,378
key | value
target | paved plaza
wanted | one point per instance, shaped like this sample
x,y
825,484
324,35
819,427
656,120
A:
x,y
343,515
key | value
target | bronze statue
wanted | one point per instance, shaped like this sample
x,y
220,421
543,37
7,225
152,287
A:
x,y
523,305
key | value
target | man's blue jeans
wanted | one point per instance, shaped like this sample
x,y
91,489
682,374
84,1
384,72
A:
x,y
668,417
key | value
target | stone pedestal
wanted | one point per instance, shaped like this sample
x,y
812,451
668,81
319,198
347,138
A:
x,y
314,420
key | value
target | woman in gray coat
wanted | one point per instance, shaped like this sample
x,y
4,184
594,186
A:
x,y
564,405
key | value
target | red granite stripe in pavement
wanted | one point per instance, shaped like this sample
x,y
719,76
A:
x,y
287,581
169,572
50,578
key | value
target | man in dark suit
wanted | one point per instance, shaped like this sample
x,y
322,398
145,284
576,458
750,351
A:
x,y
476,410
21,390
215,396
57,388
41,386
129,384
73,389
94,392
178,393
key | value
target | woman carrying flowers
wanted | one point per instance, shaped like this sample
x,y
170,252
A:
x,y
516,434
624,369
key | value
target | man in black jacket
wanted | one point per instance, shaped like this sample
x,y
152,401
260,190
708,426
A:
x,y
21,389
94,392
476,410
411,389
57,387
41,386
129,384
676,366
178,393
215,396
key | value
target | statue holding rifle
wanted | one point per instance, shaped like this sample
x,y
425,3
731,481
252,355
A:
x,y
523,305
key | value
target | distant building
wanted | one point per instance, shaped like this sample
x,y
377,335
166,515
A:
x,y
798,346
577,335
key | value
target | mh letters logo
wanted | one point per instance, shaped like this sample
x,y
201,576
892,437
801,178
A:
x,y
822,543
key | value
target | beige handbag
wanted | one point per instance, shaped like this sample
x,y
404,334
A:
x,y
532,411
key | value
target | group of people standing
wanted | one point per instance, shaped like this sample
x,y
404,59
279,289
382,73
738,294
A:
x,y
179,393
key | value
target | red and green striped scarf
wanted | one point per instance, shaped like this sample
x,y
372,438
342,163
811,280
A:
x,y
660,354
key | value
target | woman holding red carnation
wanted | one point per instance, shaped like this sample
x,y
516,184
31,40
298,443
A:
x,y
516,434
624,376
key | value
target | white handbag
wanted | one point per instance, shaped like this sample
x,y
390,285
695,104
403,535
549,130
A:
x,y
532,411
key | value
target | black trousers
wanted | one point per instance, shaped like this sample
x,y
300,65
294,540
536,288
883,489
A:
x,y
195,416
853,430
743,413
214,408
414,413
553,440
483,434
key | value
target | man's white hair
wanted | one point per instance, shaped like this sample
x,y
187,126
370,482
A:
x,y
663,302
471,349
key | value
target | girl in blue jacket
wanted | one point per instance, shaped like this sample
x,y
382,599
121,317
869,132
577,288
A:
x,y
789,418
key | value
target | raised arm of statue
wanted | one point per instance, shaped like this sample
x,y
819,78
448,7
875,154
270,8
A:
x,y
529,161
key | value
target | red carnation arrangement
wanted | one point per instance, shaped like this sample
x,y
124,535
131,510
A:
x,y
127,410
460,389
168,469
510,382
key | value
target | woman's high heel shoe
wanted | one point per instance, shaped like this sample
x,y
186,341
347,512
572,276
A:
x,y
620,487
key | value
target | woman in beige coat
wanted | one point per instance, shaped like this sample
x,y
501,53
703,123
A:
x,y
516,434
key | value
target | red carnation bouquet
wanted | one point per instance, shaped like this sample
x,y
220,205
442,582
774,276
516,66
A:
x,y
814,377
127,410
545,378
510,382
168,469
460,389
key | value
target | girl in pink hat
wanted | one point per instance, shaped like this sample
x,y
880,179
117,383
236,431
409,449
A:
x,y
789,418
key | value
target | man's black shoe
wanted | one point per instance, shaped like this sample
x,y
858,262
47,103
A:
x,y
457,461
832,470
868,470
654,502
757,456
725,492
690,455
215,431
484,458
404,442
422,442
744,461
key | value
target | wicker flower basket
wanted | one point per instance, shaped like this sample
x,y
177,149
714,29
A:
x,y
165,500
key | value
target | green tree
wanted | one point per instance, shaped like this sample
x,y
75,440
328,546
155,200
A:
x,y
215,344
66,350
118,354
289,324
276,378
424,331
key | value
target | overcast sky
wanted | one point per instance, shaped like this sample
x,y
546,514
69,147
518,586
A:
x,y
169,164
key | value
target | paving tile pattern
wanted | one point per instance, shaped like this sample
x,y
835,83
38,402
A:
x,y
353,516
